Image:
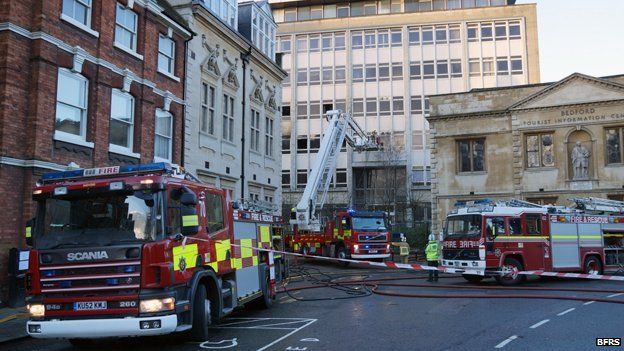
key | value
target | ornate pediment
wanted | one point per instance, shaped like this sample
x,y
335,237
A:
x,y
211,64
573,90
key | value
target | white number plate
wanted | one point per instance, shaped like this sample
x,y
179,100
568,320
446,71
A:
x,y
89,306
372,251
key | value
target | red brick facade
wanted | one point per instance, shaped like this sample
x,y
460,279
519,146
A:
x,y
34,43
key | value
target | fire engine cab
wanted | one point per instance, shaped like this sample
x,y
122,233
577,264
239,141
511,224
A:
x,y
484,238
141,250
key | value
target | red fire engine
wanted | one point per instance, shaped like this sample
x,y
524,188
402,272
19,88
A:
x,y
141,250
354,234
351,234
483,238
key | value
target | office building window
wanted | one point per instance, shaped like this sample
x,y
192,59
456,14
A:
x,y
371,106
442,68
428,70
397,105
420,177
471,155
356,40
473,32
329,11
454,34
454,4
327,42
369,39
285,44
339,41
439,5
370,9
314,44
315,142
340,75
514,30
414,36
316,12
488,66
302,144
417,140
315,76
302,76
427,35
71,104
341,177
384,72
285,178
285,111
328,75
415,70
456,68
474,67
302,44
126,28
357,73
228,118
290,15
486,32
516,65
502,66
358,107
357,9
285,144
302,110
382,39
371,72
302,178
416,105
303,13
500,31
342,10
384,108
440,35
539,150
397,71
396,37
315,109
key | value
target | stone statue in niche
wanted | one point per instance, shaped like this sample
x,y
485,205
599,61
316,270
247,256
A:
x,y
271,100
211,63
580,162
231,76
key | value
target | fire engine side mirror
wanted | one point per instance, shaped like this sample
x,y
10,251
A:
x,y
28,231
188,199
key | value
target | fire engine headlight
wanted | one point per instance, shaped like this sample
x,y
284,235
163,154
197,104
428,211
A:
x,y
157,305
387,247
36,310
356,248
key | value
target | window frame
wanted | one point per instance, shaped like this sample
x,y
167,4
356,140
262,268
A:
x,y
471,142
254,143
227,132
539,150
71,17
169,137
130,133
620,136
269,135
59,134
208,111
169,59
134,33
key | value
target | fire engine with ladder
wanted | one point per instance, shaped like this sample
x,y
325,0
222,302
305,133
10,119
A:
x,y
351,234
485,238
142,250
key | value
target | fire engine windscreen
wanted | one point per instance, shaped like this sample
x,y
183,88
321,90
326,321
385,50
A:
x,y
369,224
99,219
465,226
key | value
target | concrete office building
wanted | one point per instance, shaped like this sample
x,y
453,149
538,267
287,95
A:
x,y
233,96
380,60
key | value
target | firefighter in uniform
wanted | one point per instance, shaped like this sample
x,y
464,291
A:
x,y
431,251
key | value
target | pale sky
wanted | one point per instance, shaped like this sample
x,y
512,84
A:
x,y
585,36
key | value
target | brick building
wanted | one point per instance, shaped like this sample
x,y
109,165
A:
x,y
87,83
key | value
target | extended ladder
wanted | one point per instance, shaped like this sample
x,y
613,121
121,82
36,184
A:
x,y
595,204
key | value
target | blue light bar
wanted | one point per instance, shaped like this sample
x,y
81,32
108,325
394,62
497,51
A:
x,y
462,203
103,171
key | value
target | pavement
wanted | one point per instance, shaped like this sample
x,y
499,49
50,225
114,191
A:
x,y
12,324
355,319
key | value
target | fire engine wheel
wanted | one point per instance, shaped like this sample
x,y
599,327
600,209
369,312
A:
x,y
201,315
592,266
265,301
512,278
473,278
342,254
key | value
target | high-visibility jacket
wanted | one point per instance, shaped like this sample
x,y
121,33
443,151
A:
x,y
432,251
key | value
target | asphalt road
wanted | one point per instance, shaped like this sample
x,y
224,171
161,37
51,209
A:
x,y
357,320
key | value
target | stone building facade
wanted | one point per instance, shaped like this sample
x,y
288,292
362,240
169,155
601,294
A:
x,y
381,60
86,83
543,143
233,116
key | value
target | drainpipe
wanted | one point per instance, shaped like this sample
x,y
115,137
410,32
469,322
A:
x,y
245,58
184,94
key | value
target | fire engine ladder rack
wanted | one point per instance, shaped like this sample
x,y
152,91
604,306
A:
x,y
595,204
341,127
521,203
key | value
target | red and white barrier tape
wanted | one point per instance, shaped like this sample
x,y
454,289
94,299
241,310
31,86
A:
x,y
419,267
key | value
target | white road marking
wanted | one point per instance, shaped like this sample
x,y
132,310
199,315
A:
x,y
614,295
310,340
506,341
289,301
283,297
539,323
566,311
310,321
589,303
217,345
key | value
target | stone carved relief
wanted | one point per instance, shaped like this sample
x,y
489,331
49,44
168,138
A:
x,y
271,103
211,65
230,76
256,94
